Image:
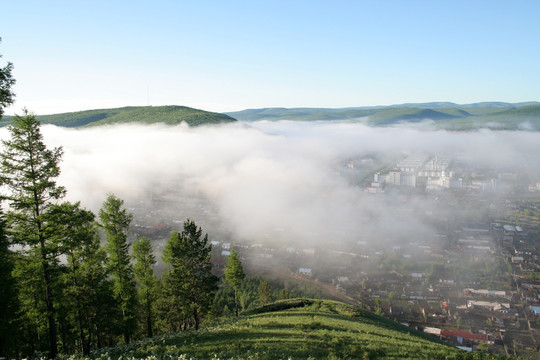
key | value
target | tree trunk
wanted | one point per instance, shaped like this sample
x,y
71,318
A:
x,y
98,338
196,318
148,315
235,304
127,338
53,345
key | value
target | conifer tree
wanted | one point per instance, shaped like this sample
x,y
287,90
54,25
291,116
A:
x,y
115,221
87,294
234,274
189,283
264,292
29,170
148,282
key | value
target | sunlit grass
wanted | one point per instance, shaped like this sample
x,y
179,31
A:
x,y
317,330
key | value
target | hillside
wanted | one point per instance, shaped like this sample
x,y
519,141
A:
x,y
499,116
294,329
170,115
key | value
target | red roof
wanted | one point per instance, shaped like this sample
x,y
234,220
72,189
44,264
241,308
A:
x,y
465,335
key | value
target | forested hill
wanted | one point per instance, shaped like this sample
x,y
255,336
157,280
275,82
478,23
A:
x,y
295,329
170,115
450,116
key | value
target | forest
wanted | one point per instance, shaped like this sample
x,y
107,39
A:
x,y
70,281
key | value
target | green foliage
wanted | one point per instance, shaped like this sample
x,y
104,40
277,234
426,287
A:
x,y
29,170
188,284
148,282
264,292
311,329
249,297
87,298
234,274
115,221
8,295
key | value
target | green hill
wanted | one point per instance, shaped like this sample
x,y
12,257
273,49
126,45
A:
x,y
170,115
494,115
294,329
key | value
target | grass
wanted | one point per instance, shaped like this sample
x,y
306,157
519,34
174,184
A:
x,y
292,329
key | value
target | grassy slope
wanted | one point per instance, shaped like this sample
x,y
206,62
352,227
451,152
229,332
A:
x,y
145,114
296,329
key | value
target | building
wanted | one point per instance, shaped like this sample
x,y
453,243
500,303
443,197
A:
x,y
394,177
412,163
487,305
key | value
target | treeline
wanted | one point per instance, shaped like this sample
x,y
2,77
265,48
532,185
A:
x,y
65,289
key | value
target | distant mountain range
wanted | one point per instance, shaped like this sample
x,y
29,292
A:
x,y
443,115
144,114
440,115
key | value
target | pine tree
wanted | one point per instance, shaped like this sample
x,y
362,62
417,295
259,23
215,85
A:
x,y
234,274
84,281
115,221
189,284
264,292
148,282
29,170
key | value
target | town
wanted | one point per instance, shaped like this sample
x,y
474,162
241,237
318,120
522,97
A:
x,y
473,281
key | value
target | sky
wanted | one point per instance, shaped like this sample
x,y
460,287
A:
x,y
233,55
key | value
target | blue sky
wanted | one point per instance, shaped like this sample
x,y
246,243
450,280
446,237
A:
x,y
232,55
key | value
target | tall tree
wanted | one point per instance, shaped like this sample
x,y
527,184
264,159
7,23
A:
x,y
264,292
115,221
29,170
8,295
84,281
6,82
189,282
234,274
148,282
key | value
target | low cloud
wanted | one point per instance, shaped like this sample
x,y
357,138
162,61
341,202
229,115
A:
x,y
281,181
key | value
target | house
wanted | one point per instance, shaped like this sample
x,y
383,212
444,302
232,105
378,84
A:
x,y
305,271
486,305
461,335
488,293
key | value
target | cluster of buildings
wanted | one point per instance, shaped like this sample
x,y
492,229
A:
x,y
462,304
418,169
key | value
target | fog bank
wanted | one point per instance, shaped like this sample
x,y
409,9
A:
x,y
271,180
